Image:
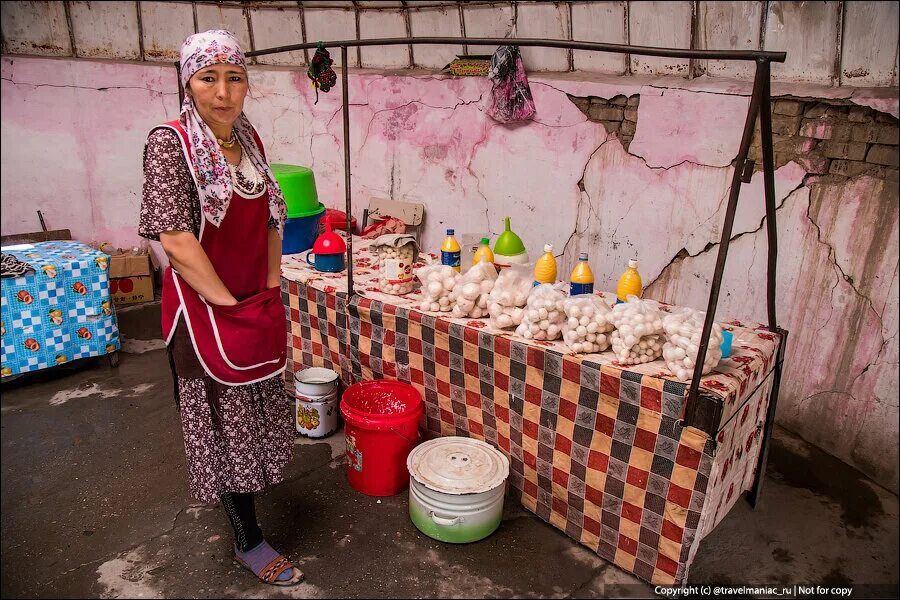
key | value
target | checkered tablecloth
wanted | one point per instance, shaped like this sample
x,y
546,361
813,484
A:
x,y
60,312
597,449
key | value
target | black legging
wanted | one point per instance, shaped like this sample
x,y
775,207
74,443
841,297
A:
x,y
241,511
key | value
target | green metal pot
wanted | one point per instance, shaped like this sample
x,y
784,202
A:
x,y
457,487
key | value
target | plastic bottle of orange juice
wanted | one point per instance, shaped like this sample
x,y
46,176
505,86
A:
x,y
545,267
582,280
484,250
451,251
629,283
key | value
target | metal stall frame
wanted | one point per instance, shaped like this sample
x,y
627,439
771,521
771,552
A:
x,y
760,106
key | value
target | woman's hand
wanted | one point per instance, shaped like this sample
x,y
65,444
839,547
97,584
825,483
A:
x,y
273,278
192,263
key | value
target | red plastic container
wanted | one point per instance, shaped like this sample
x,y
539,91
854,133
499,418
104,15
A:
x,y
338,220
382,427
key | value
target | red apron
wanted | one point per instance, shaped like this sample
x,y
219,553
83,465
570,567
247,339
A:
x,y
247,342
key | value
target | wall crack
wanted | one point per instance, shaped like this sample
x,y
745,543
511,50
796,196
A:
x,y
683,254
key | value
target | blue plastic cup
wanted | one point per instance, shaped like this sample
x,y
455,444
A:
x,y
727,337
326,263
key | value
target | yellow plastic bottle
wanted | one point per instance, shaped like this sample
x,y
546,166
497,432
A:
x,y
582,280
451,251
484,250
545,267
629,283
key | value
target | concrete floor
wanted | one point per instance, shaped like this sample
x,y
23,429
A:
x,y
95,504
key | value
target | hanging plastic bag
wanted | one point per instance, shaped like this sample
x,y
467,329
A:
x,y
511,99
320,72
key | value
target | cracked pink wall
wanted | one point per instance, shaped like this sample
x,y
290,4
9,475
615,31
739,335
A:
x,y
72,133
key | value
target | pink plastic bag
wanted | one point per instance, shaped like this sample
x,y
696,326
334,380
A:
x,y
511,99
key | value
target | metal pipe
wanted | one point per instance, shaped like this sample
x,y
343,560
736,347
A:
x,y
753,496
765,129
754,55
180,87
345,102
738,166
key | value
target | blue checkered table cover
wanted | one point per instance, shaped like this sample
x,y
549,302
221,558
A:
x,y
60,312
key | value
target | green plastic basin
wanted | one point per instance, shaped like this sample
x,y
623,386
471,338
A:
x,y
298,184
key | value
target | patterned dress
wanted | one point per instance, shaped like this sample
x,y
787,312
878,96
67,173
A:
x,y
236,438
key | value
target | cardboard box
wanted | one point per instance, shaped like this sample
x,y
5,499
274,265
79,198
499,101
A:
x,y
130,278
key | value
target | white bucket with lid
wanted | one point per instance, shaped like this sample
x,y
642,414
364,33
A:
x,y
316,402
456,490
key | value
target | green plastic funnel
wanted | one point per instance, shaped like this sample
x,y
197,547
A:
x,y
298,184
508,243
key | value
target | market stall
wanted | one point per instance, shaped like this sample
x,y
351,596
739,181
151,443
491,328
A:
x,y
59,310
601,450
627,460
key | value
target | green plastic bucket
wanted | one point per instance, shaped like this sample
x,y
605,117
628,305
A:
x,y
298,184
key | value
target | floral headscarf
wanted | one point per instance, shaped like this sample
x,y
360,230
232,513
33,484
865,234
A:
x,y
210,167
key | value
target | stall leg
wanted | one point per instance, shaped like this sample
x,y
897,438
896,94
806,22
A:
x,y
753,495
113,359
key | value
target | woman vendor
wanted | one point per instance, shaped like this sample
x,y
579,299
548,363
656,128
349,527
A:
x,y
210,198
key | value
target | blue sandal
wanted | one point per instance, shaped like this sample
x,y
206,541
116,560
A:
x,y
271,572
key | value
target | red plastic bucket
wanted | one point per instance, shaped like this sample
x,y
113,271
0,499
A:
x,y
382,427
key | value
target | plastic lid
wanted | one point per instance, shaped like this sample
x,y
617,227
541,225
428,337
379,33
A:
x,y
458,465
583,256
508,243
632,263
548,247
450,232
485,241
329,242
